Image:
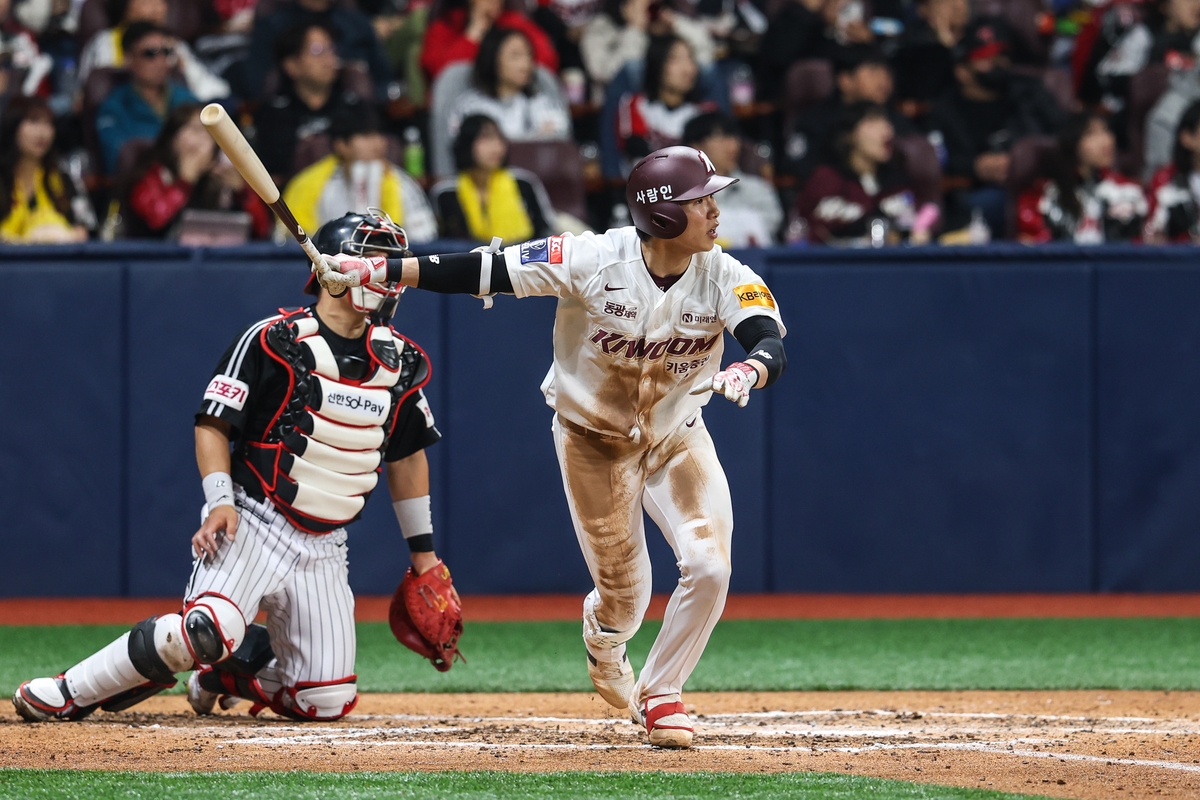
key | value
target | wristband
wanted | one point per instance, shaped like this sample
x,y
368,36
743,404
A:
x,y
218,489
416,522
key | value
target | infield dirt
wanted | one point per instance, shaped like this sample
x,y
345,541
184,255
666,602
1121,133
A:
x,y
1084,744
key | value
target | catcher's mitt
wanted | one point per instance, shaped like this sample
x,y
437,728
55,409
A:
x,y
426,617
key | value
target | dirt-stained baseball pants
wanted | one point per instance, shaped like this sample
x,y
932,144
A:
x,y
682,486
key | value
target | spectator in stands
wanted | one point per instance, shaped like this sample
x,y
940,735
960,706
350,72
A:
x,y
1175,190
308,100
797,32
1183,89
505,88
924,58
23,66
1123,46
135,110
183,170
35,197
455,34
751,215
862,76
979,119
654,117
563,22
358,175
487,198
355,37
106,49
621,33
1085,201
863,196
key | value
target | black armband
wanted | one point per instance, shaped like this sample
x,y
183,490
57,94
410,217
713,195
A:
x,y
760,336
422,543
457,273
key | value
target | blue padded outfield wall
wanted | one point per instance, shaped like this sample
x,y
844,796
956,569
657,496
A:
x,y
992,420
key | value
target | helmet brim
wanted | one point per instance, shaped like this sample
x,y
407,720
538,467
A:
x,y
713,185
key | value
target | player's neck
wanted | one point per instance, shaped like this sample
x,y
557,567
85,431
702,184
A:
x,y
340,317
665,258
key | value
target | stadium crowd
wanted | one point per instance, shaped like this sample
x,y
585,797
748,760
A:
x,y
849,122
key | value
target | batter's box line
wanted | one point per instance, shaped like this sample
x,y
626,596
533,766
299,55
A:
x,y
902,712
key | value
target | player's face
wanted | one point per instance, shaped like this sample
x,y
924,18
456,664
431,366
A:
x,y
701,232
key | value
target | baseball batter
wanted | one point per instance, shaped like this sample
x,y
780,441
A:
x,y
637,350
313,401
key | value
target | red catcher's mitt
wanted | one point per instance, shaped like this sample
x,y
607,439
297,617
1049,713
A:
x,y
425,616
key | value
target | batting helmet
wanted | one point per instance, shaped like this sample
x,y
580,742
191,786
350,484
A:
x,y
355,234
663,180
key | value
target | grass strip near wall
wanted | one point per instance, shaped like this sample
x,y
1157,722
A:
x,y
764,655
35,784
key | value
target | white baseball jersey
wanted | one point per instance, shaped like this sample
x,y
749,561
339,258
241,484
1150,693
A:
x,y
626,353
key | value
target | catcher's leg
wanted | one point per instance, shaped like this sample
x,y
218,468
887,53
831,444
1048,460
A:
x,y
136,666
688,498
311,621
602,479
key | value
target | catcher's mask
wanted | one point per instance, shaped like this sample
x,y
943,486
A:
x,y
361,235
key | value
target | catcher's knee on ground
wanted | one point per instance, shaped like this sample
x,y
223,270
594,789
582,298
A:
x,y
606,636
322,702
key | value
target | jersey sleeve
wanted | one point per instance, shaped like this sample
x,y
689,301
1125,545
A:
x,y
415,429
551,266
236,382
743,295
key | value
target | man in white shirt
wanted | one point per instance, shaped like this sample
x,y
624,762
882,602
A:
x,y
637,352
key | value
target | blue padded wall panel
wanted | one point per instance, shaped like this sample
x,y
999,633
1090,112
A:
x,y
61,436
1148,468
932,432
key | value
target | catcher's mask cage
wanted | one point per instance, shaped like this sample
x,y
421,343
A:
x,y
366,234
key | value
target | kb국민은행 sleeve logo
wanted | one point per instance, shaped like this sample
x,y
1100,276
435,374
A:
x,y
754,294
227,391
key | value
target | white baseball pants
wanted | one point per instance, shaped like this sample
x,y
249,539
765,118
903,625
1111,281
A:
x,y
682,486
300,580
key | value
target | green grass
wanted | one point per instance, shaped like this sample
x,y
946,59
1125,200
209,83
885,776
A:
x,y
751,655
34,784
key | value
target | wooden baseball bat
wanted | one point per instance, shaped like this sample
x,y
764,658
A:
x,y
250,166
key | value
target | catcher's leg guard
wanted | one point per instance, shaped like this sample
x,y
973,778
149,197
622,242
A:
x,y
213,628
137,665
48,700
320,702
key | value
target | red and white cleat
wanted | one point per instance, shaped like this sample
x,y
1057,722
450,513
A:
x,y
48,700
666,722
202,700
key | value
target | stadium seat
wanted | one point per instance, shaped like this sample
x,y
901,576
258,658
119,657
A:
x,y
1032,158
1057,81
1023,16
560,169
99,85
808,82
921,164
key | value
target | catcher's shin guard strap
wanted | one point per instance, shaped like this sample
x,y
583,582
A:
x,y
130,698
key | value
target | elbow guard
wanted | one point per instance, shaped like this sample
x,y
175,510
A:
x,y
769,351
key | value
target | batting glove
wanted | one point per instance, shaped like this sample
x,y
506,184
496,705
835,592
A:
x,y
343,270
735,382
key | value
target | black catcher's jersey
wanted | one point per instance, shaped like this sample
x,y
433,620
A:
x,y
254,386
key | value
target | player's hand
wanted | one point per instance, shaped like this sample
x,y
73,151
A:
x,y
221,523
355,271
735,382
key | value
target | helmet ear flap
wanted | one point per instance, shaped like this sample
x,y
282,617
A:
x,y
670,221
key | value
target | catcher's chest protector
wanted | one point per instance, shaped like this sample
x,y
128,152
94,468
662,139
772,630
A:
x,y
320,457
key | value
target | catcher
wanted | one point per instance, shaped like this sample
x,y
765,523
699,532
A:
x,y
315,402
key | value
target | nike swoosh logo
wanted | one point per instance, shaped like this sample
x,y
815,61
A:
x,y
690,424
608,288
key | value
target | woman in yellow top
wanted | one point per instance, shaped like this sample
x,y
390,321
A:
x,y
487,198
35,198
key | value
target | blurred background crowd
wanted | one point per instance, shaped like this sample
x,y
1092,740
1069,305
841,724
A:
x,y
849,122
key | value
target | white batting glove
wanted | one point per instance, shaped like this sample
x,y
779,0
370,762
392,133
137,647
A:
x,y
735,382
342,270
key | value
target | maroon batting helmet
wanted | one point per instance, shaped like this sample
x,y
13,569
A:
x,y
663,180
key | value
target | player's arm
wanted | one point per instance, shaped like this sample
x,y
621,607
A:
x,y
408,484
766,361
212,457
477,273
